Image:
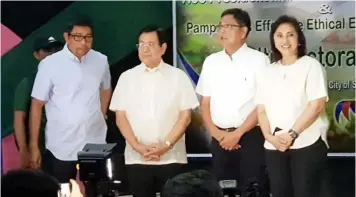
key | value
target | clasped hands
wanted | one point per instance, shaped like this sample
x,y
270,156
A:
x,y
281,142
152,152
228,140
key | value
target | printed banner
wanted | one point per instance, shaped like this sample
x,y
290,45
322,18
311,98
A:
x,y
329,28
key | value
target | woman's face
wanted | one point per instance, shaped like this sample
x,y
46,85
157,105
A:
x,y
286,39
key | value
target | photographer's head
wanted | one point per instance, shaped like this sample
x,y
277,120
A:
x,y
287,39
233,28
22,183
151,45
193,184
26,182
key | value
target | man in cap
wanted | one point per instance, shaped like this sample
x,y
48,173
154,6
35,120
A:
x,y
43,47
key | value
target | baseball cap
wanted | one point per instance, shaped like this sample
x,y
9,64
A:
x,y
45,42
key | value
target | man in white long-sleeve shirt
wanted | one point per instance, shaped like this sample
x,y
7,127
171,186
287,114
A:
x,y
153,103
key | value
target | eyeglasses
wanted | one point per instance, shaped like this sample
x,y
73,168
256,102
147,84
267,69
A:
x,y
78,38
149,45
227,26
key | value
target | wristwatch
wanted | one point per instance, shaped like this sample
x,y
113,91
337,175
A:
x,y
293,134
168,143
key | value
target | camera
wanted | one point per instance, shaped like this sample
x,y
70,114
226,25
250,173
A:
x,y
229,187
97,170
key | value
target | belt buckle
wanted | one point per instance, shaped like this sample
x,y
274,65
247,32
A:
x,y
227,129
230,129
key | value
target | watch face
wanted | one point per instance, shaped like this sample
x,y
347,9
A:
x,y
293,134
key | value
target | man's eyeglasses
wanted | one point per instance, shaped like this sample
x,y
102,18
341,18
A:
x,y
227,26
149,45
78,38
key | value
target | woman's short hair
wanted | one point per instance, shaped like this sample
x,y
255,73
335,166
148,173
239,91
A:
x,y
276,55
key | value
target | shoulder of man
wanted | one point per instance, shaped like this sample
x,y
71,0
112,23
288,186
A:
x,y
28,80
260,59
214,56
176,71
53,57
212,59
24,83
52,60
257,53
98,54
130,72
31,79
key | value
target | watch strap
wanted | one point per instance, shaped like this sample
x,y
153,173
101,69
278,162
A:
x,y
293,134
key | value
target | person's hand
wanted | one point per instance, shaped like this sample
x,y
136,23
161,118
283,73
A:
x,y
157,150
143,150
75,189
24,159
231,140
35,158
286,137
219,135
278,142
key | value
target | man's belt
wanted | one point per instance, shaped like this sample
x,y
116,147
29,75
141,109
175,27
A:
x,y
227,129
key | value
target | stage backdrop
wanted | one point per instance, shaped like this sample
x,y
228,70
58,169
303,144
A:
x,y
329,28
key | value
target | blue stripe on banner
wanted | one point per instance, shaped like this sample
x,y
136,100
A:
x,y
191,72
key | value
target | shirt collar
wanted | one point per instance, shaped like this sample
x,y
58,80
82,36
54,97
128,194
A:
x,y
238,52
72,56
160,68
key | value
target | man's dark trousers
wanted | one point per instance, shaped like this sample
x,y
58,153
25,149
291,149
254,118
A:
x,y
63,171
244,165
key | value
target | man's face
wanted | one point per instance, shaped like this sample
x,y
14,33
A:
x,y
149,50
230,32
41,54
79,40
